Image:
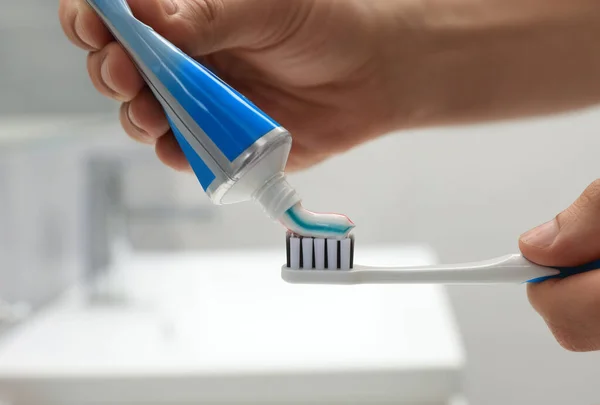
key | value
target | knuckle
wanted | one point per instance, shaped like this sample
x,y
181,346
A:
x,y
208,11
201,19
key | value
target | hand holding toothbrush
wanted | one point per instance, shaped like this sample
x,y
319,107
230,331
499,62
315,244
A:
x,y
571,306
559,262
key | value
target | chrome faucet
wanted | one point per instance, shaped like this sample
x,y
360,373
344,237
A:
x,y
108,219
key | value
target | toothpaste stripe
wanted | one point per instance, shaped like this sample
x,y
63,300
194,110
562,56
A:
x,y
307,223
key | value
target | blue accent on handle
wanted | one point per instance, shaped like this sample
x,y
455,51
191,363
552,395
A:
x,y
539,279
569,271
203,173
230,120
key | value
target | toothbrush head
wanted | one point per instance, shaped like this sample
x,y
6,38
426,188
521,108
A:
x,y
307,253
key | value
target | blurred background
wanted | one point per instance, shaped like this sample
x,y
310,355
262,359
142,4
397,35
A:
x,y
75,194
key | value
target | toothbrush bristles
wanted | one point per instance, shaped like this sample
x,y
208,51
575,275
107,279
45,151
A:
x,y
306,253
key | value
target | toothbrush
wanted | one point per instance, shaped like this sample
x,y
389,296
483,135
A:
x,y
328,261
237,152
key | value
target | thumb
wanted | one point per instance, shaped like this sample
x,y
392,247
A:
x,y
201,27
570,239
571,306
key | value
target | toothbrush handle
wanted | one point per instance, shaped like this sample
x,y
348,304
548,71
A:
x,y
569,271
506,269
510,269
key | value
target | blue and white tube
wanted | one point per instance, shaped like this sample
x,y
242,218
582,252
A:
x,y
237,152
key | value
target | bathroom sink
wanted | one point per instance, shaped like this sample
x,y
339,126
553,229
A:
x,y
223,327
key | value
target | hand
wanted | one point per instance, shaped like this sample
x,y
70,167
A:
x,y
340,72
312,65
571,306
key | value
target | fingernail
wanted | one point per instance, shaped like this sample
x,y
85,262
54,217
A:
x,y
132,118
169,6
543,236
81,32
107,77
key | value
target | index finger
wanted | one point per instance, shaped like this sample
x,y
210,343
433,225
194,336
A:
x,y
82,25
571,308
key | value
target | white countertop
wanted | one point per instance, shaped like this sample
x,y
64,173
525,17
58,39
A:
x,y
224,327
43,132
18,130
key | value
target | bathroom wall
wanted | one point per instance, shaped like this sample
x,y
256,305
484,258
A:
x,y
39,71
468,192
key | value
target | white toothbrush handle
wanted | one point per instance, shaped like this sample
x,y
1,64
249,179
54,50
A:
x,y
510,269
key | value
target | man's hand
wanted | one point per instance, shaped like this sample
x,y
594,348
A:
x,y
337,73
313,65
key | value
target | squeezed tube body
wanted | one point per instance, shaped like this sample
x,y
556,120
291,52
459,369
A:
x,y
233,147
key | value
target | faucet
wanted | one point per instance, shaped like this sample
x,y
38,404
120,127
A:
x,y
108,242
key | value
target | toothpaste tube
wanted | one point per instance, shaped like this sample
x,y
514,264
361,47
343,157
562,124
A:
x,y
237,152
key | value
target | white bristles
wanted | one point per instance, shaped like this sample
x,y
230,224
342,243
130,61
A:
x,y
345,247
332,254
295,253
307,253
320,254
